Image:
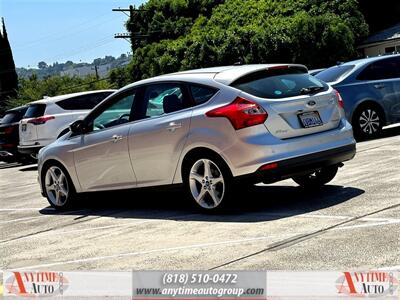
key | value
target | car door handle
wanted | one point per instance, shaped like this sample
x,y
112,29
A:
x,y
173,126
116,138
379,86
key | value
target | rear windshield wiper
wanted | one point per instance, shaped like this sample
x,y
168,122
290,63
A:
x,y
311,90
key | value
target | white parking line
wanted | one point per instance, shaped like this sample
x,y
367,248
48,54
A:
x,y
25,209
90,259
20,219
63,232
388,222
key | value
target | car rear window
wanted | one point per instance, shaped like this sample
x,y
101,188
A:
x,y
334,73
278,83
83,102
35,110
13,116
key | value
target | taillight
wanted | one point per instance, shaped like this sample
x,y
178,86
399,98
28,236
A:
x,y
8,130
40,120
339,99
241,113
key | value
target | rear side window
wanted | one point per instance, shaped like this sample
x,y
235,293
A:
x,y
278,83
201,94
383,69
35,110
12,117
83,102
334,73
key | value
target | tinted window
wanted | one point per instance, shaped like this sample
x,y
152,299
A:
x,y
12,116
279,83
383,69
201,94
164,98
115,114
35,110
83,102
334,73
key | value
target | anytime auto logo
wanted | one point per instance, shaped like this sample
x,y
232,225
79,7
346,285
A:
x,y
35,284
367,284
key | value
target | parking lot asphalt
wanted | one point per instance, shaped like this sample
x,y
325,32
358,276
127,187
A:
x,y
352,223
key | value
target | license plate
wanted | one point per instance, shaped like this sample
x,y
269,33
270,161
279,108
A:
x,y
23,128
310,119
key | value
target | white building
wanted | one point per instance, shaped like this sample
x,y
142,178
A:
x,y
382,42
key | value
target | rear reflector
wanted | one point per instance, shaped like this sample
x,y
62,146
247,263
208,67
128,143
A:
x,y
40,120
7,146
241,113
269,167
339,99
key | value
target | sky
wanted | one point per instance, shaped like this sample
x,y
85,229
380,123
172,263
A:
x,y
62,30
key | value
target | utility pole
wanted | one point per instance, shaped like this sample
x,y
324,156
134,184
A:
x,y
97,72
134,36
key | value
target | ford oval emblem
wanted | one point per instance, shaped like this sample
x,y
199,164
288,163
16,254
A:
x,y
311,103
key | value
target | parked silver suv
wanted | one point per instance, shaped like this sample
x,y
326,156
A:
x,y
205,129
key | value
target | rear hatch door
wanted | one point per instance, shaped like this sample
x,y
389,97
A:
x,y
297,103
27,129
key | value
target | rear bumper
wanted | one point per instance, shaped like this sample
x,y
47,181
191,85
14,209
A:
x,y
309,163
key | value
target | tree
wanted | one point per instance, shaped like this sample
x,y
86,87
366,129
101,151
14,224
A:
x,y
42,65
8,74
317,33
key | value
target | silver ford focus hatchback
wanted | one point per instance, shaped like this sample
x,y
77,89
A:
x,y
207,130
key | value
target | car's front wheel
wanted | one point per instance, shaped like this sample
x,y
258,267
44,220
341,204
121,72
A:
x,y
58,187
208,182
318,178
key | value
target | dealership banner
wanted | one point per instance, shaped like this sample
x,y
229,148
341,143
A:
x,y
199,285
151,285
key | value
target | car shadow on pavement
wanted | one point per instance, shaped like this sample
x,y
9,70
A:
x,y
255,204
8,165
29,168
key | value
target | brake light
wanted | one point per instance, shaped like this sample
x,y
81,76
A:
x,y
241,113
282,67
40,120
339,99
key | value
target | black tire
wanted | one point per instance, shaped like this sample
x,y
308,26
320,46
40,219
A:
x,y
208,186
317,178
69,200
368,121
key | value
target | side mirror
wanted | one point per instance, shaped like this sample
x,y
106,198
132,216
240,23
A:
x,y
78,127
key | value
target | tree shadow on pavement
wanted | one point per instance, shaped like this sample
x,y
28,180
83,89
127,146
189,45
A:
x,y
254,204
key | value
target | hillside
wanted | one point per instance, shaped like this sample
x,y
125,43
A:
x,y
69,68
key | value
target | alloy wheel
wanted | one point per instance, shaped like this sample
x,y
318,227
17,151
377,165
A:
x,y
56,185
369,121
206,183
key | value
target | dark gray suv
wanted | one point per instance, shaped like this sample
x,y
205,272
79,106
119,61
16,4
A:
x,y
370,89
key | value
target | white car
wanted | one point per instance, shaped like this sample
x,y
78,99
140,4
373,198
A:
x,y
48,119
